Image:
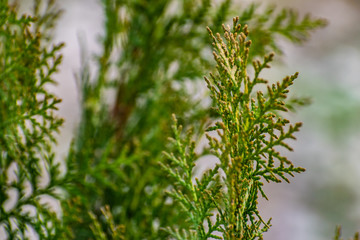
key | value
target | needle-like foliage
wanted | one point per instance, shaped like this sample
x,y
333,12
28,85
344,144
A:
x,y
249,135
27,128
154,54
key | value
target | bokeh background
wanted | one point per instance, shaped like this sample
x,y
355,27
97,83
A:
x,y
328,193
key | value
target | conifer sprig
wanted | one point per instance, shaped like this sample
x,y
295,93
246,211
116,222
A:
x,y
249,135
27,128
250,131
269,23
197,197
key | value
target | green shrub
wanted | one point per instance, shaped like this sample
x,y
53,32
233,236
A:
x,y
118,182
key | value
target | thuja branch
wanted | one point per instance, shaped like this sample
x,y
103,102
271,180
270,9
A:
x,y
249,135
196,197
28,126
249,130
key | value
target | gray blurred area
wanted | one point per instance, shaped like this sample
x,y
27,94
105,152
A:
x,y
328,193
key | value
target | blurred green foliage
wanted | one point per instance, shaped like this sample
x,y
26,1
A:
x,y
154,55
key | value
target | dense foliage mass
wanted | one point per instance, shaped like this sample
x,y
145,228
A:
x,y
27,127
154,55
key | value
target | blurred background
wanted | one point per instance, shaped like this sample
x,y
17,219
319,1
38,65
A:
x,y
328,146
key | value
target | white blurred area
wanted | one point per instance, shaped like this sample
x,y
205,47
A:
x,y
80,28
328,193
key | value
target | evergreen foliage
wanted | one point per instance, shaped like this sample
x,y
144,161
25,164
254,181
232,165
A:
x,y
249,133
154,56
27,127
152,50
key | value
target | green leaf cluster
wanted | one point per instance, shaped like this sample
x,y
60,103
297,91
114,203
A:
x,y
28,172
248,137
